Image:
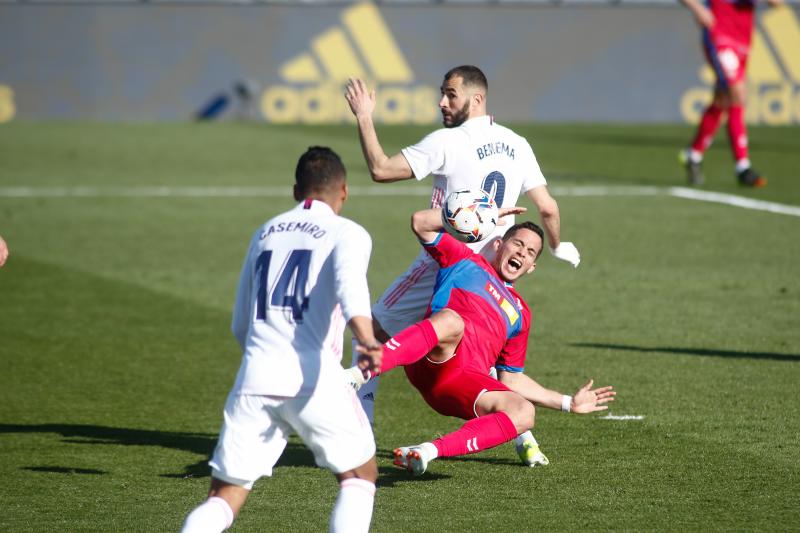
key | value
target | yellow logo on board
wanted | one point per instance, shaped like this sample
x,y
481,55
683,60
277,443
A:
x,y
7,107
361,47
773,74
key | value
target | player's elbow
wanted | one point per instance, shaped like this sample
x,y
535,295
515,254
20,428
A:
x,y
548,208
380,175
382,172
418,222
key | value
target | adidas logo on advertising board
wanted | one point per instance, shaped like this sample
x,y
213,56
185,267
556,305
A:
x,y
773,74
361,47
7,107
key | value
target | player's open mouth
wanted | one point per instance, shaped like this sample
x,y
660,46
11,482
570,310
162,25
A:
x,y
515,264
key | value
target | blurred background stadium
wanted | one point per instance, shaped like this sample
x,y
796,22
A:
x,y
285,61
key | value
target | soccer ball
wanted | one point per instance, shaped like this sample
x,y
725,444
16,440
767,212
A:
x,y
469,216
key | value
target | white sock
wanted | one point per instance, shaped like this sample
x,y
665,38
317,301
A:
x,y
213,516
742,164
352,511
527,436
695,156
367,392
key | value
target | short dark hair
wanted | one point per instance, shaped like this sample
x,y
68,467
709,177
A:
x,y
470,74
526,224
318,170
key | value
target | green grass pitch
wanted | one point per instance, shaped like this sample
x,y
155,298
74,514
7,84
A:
x,y
116,354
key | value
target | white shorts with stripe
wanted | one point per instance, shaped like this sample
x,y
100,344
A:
x,y
256,429
406,300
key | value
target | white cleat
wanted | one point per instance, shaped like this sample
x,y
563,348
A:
x,y
413,458
401,457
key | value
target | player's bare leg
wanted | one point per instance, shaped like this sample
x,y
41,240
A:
x,y
219,510
525,444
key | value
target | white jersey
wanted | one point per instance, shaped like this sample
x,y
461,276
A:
x,y
479,154
300,265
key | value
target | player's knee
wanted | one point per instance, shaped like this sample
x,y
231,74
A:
x,y
722,99
449,326
368,472
522,414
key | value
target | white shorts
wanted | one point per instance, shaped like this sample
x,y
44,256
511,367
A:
x,y
406,300
256,429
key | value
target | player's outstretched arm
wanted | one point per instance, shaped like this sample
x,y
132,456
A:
x,y
551,222
586,400
529,389
382,168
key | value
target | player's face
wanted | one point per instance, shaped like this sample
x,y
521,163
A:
x,y
516,256
455,102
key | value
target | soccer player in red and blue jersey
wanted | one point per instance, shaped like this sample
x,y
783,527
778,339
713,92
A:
x,y
727,28
477,320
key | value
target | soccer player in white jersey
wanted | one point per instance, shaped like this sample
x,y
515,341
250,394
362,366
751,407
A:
x,y
472,151
300,266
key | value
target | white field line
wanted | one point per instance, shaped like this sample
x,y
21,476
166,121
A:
x,y
737,201
609,416
383,191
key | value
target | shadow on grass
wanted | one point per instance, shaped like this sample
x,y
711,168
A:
x,y
295,454
64,470
705,352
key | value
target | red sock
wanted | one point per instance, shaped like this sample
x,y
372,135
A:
x,y
707,128
477,435
737,132
409,346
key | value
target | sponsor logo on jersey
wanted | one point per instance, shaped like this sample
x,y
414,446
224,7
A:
x,y
507,307
362,46
773,73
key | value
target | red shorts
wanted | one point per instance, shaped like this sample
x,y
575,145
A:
x,y
451,388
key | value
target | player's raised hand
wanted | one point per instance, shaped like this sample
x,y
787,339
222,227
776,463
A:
x,y
360,98
566,251
588,400
505,211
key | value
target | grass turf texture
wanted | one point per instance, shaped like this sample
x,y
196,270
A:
x,y
115,353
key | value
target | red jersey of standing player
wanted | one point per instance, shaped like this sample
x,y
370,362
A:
x,y
727,42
